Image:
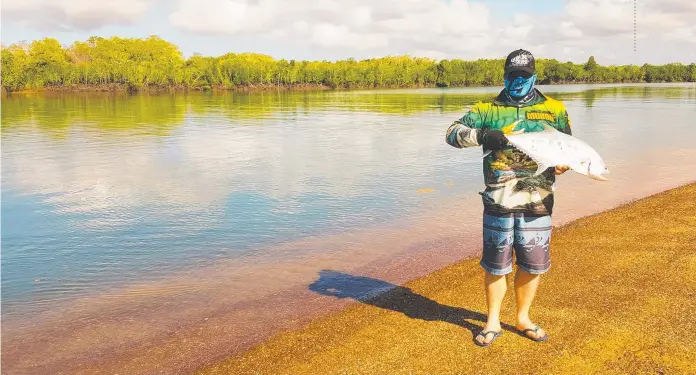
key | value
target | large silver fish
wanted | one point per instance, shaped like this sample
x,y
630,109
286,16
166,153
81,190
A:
x,y
551,147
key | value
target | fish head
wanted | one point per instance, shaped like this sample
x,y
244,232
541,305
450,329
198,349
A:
x,y
596,169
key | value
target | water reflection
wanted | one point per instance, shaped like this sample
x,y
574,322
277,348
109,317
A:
x,y
99,189
58,114
131,214
157,114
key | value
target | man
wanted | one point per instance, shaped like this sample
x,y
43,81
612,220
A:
x,y
517,204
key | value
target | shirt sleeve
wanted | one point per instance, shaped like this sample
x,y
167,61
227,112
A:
x,y
465,131
563,121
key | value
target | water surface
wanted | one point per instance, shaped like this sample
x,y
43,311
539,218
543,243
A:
x,y
184,205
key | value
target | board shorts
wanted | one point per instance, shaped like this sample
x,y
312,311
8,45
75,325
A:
x,y
529,235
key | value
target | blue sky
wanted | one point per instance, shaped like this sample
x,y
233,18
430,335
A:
x,y
332,29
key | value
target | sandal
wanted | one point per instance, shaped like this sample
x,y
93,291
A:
x,y
484,334
535,329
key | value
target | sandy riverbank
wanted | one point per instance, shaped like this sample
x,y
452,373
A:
x,y
204,316
620,298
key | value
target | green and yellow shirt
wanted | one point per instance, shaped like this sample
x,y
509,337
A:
x,y
508,173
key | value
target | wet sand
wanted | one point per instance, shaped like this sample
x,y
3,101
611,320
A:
x,y
203,316
619,299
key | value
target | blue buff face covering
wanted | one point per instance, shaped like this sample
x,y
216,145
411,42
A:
x,y
520,86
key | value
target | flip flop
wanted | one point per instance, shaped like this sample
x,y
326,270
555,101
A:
x,y
535,329
484,334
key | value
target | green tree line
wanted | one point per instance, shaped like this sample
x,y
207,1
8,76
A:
x,y
153,63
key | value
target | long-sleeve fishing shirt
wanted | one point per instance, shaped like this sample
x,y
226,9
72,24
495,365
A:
x,y
508,173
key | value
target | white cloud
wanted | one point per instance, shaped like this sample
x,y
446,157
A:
x,y
601,17
605,28
223,16
458,28
68,15
683,34
569,30
328,35
321,29
335,24
611,18
520,27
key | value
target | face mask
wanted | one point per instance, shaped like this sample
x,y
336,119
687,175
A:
x,y
519,87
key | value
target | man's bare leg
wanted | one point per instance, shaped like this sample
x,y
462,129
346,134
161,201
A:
x,y
496,286
526,285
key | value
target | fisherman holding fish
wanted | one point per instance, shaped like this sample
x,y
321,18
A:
x,y
518,200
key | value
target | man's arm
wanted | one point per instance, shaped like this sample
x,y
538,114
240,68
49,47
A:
x,y
465,131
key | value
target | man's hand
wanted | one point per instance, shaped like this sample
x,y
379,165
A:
x,y
560,169
493,139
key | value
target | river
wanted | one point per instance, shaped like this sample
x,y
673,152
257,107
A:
x,y
143,233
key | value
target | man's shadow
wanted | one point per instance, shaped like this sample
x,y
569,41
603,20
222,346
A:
x,y
386,295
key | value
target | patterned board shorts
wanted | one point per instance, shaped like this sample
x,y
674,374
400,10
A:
x,y
529,235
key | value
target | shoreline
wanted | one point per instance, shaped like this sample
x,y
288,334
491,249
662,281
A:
x,y
417,327
123,88
211,317
192,309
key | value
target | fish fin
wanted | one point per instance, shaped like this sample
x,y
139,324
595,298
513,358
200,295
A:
x,y
596,177
541,167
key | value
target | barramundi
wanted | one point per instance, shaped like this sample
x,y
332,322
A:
x,y
550,148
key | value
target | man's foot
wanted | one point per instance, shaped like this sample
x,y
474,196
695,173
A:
x,y
488,334
531,330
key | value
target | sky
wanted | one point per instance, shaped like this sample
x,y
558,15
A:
x,y
569,30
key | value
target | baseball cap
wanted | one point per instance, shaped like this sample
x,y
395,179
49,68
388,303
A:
x,y
519,60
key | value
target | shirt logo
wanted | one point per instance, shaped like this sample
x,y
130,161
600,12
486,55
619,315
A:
x,y
548,116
